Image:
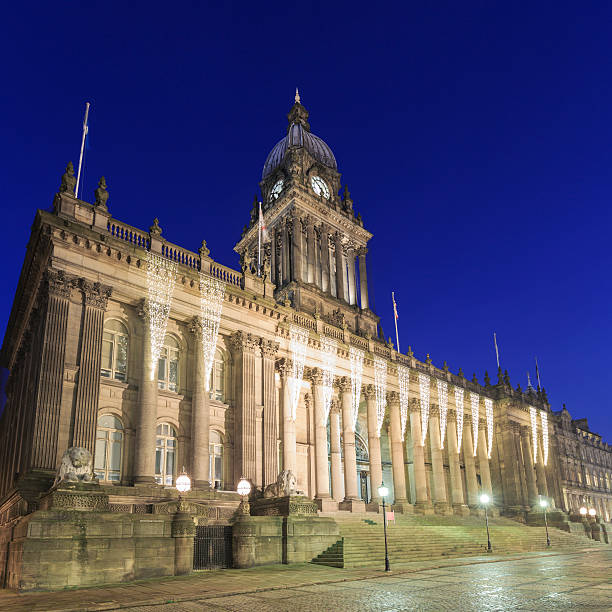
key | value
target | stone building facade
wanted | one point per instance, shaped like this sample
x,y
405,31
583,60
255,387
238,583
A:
x,y
81,352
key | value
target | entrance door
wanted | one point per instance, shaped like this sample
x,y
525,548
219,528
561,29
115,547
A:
x,y
363,486
212,547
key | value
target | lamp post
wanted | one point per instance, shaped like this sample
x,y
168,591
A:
x,y
544,504
243,489
383,492
484,500
183,485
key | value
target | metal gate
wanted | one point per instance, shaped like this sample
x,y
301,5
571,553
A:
x,y
212,547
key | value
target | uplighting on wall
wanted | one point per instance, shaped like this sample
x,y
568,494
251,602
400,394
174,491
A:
x,y
424,399
443,402
475,403
356,360
298,341
380,387
329,348
403,377
459,411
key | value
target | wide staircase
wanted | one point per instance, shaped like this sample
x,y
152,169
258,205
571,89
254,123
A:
x,y
419,538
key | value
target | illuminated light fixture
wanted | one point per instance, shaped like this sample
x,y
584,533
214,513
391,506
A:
x,y
489,414
403,378
459,411
534,432
544,419
592,512
484,499
583,511
183,483
380,387
443,402
212,292
298,341
543,503
356,360
424,397
475,402
161,276
329,348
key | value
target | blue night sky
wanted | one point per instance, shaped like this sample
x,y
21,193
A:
x,y
474,137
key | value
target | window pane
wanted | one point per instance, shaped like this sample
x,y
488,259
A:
x,y
173,376
115,457
169,465
161,369
121,357
100,461
107,354
218,468
158,460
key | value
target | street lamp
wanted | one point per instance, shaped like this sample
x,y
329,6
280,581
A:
x,y
243,489
484,500
182,484
383,492
544,504
583,511
592,512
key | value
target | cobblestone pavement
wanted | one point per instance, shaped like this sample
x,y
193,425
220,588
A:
x,y
536,582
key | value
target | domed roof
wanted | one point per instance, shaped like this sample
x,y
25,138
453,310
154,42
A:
x,y
299,135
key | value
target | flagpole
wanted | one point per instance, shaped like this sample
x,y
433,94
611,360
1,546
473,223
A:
x,y
395,319
259,242
76,193
538,373
496,349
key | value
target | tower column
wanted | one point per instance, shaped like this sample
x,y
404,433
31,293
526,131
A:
x,y
325,263
437,464
470,465
422,503
336,455
340,286
363,278
457,498
296,246
310,238
289,446
483,460
350,263
532,490
285,250
397,454
373,442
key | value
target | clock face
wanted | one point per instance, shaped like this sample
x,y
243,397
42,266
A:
x,y
320,187
278,187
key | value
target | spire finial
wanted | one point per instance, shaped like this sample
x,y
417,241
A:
x,y
297,96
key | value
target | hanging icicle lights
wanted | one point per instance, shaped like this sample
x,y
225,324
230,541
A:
x,y
161,276
356,359
298,341
329,348
443,403
403,377
533,414
544,419
424,397
380,387
459,412
489,413
212,292
475,402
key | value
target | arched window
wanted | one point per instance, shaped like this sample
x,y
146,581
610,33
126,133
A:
x,y
168,367
109,448
216,459
114,350
217,378
165,454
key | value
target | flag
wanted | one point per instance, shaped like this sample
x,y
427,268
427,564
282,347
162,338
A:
x,y
262,227
394,305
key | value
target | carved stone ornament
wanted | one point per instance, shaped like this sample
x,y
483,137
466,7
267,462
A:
x,y
269,348
316,376
204,250
76,465
101,194
59,283
68,180
393,397
369,392
284,367
155,229
286,484
242,341
344,384
95,294
414,405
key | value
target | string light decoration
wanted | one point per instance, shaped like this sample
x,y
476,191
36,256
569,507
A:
x,y
544,419
380,387
403,377
533,414
489,413
443,403
298,341
459,411
424,397
161,276
475,402
356,359
212,292
329,348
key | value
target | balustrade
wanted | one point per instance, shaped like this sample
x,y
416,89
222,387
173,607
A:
x,y
130,234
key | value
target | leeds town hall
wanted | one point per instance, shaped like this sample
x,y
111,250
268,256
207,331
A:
x,y
166,413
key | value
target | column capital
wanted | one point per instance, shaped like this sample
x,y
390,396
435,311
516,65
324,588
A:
x,y
414,405
245,342
393,397
344,384
451,416
284,367
269,348
58,283
369,392
335,407
315,375
434,411
362,251
95,294
195,327
482,424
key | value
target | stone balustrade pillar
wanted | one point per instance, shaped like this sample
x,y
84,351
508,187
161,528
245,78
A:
x,y
456,483
422,503
397,454
336,455
483,460
320,424
200,414
289,444
471,481
440,499
369,393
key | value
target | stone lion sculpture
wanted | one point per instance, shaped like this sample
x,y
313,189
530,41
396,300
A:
x,y
76,466
285,484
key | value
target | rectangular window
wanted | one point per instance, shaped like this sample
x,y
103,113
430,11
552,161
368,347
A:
x,y
173,375
121,358
107,355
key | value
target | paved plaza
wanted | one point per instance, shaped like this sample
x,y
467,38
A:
x,y
537,581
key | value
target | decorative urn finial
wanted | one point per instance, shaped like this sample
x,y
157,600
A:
x,y
68,180
155,229
101,194
297,96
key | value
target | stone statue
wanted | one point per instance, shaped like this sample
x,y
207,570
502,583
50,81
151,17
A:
x,y
68,180
247,263
155,229
101,194
76,465
285,484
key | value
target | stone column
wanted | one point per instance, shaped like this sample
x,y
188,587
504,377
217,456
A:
x,y
269,348
310,237
508,433
285,252
468,460
440,500
56,290
532,491
325,263
541,471
340,286
350,262
318,271
351,497
336,455
457,498
397,455
422,503
273,258
289,446
363,278
144,456
244,346
483,460
369,393
200,414
90,354
296,246
320,426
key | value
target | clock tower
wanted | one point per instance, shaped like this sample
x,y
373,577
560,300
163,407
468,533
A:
x,y
315,252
